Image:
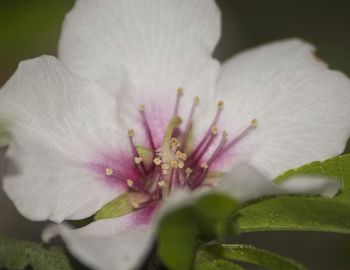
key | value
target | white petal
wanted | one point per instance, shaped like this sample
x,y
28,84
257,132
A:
x,y
59,125
246,183
161,45
110,244
302,107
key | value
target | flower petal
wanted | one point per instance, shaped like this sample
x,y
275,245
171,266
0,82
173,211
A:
x,y
246,183
302,108
58,125
161,45
110,244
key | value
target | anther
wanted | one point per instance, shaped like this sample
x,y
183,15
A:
x,y
214,130
254,123
197,100
165,166
181,164
161,183
221,104
180,91
188,171
131,133
109,171
204,166
157,161
141,108
174,163
130,182
138,160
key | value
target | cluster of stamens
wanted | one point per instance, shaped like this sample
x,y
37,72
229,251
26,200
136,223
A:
x,y
175,163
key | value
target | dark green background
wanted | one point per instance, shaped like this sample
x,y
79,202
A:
x,y
29,28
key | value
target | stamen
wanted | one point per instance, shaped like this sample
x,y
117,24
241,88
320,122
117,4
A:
x,y
218,149
146,125
137,158
189,123
180,92
253,124
167,153
220,107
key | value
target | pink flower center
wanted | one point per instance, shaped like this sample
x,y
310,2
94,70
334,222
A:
x,y
176,163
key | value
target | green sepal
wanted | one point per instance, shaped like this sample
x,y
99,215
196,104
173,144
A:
x,y
120,206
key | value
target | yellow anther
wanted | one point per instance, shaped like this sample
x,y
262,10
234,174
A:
x,y
165,172
130,182
180,91
157,161
109,171
135,205
197,100
181,164
161,183
221,104
141,108
254,123
138,160
225,134
178,154
214,130
174,163
204,166
188,170
131,133
184,156
165,167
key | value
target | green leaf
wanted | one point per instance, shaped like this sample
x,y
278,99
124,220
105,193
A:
x,y
214,213
178,239
302,213
337,167
295,214
18,254
207,261
252,255
120,206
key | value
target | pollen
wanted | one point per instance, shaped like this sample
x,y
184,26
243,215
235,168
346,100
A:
x,y
188,171
174,163
130,182
165,167
109,171
181,164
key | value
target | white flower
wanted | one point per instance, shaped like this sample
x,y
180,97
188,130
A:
x,y
274,107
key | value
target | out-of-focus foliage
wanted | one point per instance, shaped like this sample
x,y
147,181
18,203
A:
x,y
28,28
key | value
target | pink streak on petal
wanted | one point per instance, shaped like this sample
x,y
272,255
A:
x,y
145,216
121,162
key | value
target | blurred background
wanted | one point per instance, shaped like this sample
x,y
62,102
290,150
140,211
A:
x,y
29,28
